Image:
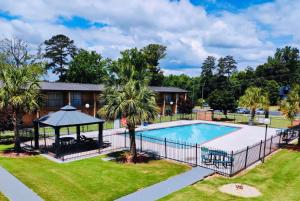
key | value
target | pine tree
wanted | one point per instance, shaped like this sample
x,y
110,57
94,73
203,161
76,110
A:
x,y
59,49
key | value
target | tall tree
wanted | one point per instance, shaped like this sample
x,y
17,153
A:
x,y
87,67
59,49
17,52
226,66
283,67
19,93
254,98
290,105
153,54
208,66
133,101
131,65
222,100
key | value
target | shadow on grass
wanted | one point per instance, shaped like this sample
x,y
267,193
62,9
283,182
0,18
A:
x,y
224,119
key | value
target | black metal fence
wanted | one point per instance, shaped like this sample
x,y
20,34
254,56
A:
x,y
227,163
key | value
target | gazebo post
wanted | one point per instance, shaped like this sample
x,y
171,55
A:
x,y
57,136
78,133
36,135
100,134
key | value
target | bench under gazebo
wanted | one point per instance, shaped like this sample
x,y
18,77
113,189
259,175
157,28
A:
x,y
68,116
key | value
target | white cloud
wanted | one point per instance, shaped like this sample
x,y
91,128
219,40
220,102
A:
x,y
188,31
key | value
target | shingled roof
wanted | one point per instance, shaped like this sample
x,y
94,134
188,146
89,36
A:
x,y
64,86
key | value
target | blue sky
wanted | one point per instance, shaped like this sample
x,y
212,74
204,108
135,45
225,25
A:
x,y
249,30
215,6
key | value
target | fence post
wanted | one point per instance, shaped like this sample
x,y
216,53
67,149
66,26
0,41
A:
x,y
165,147
159,118
196,154
246,157
234,118
125,139
279,143
260,150
141,141
231,168
171,117
271,143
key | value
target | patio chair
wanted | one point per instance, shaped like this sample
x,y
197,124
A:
x,y
83,138
205,156
220,157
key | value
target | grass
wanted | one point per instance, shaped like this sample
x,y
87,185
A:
x,y
278,179
4,147
88,179
276,121
2,197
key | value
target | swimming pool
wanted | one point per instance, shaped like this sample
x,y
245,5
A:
x,y
194,133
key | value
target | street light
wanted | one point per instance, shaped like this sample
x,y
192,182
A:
x,y
171,103
87,106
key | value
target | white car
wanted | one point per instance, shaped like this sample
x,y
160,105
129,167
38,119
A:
x,y
260,111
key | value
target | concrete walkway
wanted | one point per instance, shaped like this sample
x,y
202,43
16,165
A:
x,y
14,189
169,186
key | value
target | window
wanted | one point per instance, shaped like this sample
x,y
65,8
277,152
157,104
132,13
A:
x,y
55,99
168,98
76,99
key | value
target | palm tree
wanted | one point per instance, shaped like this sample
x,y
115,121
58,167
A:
x,y
254,98
133,101
290,106
19,93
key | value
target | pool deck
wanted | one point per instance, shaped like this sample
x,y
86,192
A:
x,y
239,139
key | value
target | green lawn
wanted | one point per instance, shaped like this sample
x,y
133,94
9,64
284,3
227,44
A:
x,y
278,180
4,147
276,121
88,179
2,197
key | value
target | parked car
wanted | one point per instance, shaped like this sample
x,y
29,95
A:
x,y
260,111
242,111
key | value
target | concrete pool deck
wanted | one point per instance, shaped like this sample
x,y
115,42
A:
x,y
239,139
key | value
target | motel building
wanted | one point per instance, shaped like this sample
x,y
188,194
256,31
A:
x,y
85,97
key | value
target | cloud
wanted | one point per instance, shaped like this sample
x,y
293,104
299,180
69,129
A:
x,y
189,32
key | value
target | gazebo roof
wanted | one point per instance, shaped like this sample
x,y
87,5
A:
x,y
68,116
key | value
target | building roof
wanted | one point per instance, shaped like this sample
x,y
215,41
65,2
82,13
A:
x,y
65,86
68,116
167,89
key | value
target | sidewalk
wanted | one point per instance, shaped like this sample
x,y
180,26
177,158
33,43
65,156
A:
x,y
14,189
169,186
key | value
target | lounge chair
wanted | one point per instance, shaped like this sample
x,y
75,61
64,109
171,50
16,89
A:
x,y
85,139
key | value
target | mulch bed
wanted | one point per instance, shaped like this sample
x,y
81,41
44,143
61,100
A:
x,y
12,154
126,157
292,147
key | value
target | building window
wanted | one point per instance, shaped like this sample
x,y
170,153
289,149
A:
x,y
76,99
55,99
168,98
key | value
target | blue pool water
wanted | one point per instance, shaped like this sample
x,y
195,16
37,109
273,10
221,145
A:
x,y
195,133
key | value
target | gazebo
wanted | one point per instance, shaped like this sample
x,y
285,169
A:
x,y
67,116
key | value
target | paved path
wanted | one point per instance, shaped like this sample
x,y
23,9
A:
x,y
14,189
169,186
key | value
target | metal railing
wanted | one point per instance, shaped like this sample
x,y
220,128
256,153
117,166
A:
x,y
227,163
